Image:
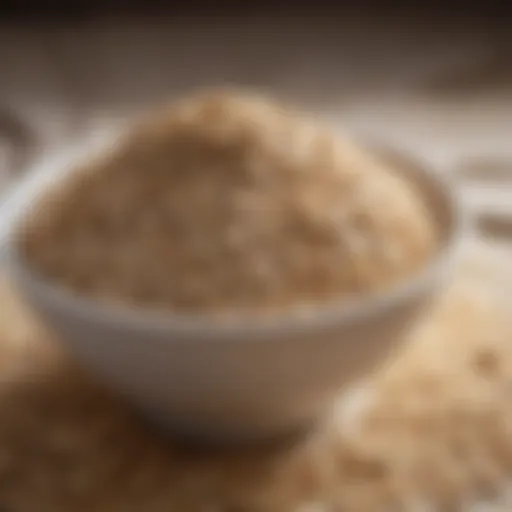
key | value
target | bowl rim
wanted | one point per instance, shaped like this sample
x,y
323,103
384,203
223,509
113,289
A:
x,y
229,326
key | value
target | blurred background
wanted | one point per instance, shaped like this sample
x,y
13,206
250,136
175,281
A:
x,y
435,78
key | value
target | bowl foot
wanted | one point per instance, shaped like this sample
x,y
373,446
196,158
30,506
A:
x,y
201,440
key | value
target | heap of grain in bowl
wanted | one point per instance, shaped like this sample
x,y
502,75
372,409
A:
x,y
226,201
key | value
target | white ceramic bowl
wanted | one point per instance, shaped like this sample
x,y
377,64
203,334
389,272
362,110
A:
x,y
248,379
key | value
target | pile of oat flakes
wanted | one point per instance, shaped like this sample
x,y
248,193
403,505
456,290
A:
x,y
228,201
431,431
